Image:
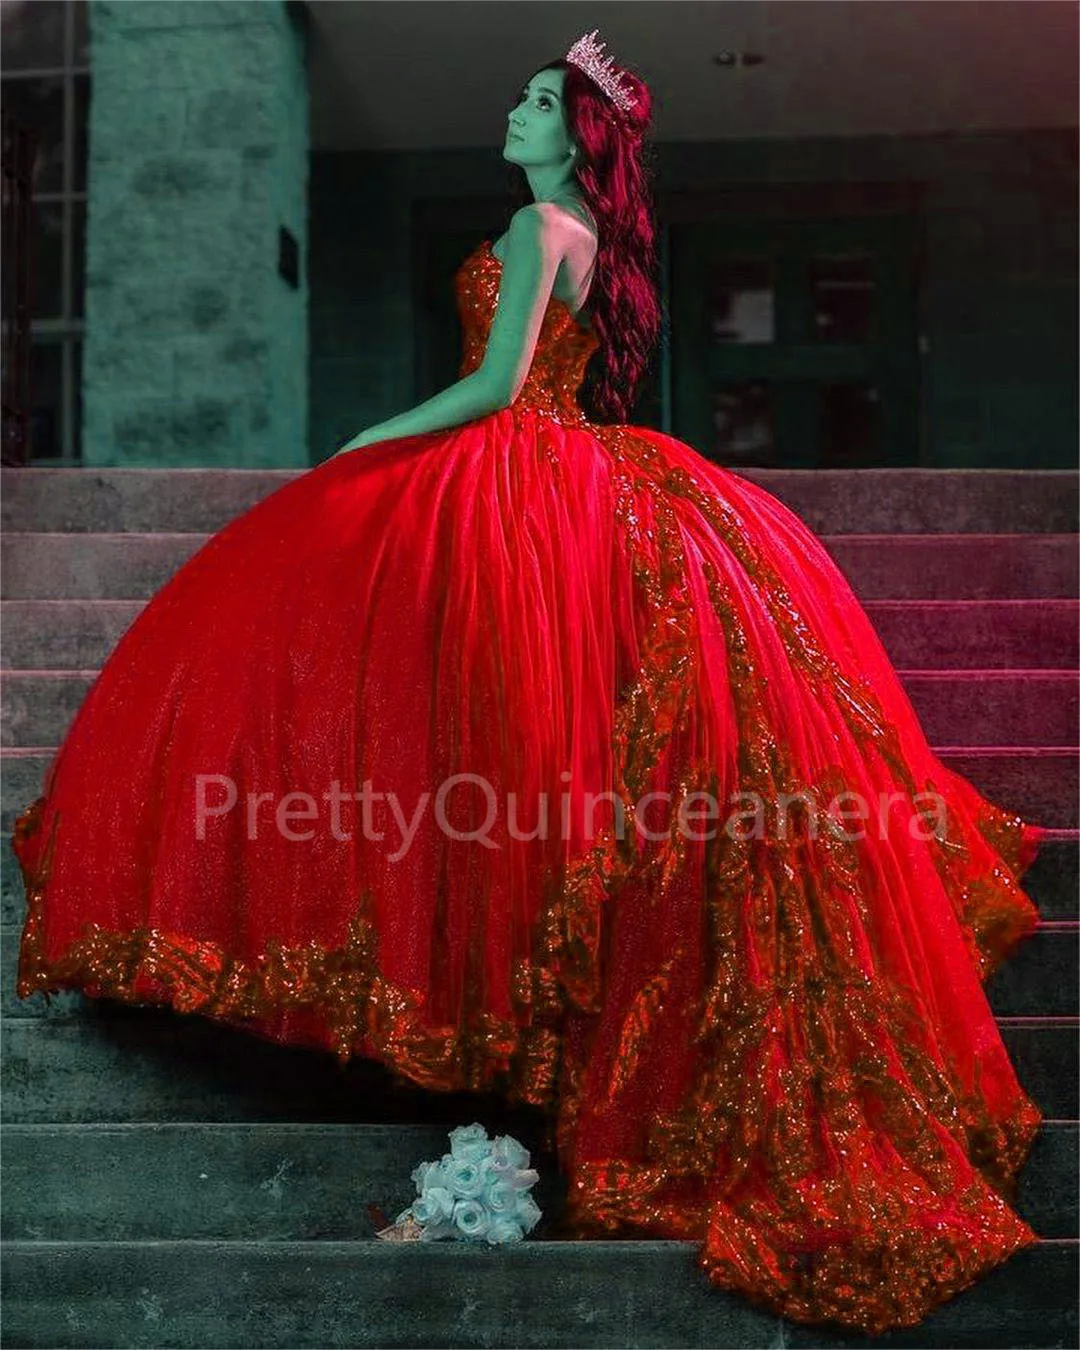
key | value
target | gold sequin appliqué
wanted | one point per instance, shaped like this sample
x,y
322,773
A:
x,y
811,1055
810,1049
366,1013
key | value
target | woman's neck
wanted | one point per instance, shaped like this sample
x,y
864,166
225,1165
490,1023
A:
x,y
575,203
551,182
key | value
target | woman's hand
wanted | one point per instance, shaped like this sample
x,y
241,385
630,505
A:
x,y
368,437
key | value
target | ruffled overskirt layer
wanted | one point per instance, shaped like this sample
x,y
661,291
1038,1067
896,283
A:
x,y
306,796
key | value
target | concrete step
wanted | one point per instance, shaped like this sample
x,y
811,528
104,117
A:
x,y
971,634
969,707
169,1066
63,634
118,1063
91,501
131,566
285,1182
957,566
1053,879
831,501
927,501
918,634
996,707
1038,783
303,1182
551,1294
1040,980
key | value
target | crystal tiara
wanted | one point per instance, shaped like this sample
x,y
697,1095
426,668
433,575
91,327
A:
x,y
585,54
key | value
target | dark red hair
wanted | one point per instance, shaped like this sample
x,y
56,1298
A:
x,y
614,178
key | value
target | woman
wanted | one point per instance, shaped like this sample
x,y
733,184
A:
x,y
746,983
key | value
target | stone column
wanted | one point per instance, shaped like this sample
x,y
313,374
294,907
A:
x,y
196,349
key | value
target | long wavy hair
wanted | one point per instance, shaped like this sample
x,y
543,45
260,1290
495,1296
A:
x,y
614,171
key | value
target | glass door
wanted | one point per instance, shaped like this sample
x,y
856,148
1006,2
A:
x,y
794,342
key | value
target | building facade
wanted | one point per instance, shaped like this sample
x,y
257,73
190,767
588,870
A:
x,y
212,289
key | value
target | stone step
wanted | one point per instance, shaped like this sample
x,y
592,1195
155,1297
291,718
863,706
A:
x,y
927,501
994,707
1053,879
831,501
957,566
93,501
1040,979
303,1182
131,566
918,634
1037,782
289,1182
118,1063
64,634
168,1066
969,707
963,634
534,1293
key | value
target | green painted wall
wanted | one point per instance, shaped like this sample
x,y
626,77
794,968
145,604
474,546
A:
x,y
364,305
997,298
196,348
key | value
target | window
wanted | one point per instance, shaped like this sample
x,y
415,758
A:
x,y
46,89
743,301
795,329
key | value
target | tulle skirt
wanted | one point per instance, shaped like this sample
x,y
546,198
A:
x,y
557,760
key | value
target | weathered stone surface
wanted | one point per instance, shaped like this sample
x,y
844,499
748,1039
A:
x,y
622,1294
893,502
196,348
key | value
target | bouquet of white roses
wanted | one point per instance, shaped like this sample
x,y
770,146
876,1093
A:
x,y
478,1192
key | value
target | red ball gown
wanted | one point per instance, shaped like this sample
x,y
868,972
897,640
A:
x,y
759,1024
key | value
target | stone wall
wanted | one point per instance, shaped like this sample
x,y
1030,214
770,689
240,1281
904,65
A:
x,y
196,347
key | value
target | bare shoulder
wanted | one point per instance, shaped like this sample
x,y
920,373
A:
x,y
538,225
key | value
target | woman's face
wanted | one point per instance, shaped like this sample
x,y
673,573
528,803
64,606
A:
x,y
536,126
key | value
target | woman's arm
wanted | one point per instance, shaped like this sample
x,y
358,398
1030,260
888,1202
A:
x,y
535,244
533,253
472,396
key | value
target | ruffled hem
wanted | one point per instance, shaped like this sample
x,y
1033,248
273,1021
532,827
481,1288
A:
x,y
890,1236
905,1258
333,998
879,1272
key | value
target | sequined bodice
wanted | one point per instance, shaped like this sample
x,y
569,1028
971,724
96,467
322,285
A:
x,y
563,346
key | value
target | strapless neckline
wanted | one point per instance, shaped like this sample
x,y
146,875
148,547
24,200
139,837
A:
x,y
554,300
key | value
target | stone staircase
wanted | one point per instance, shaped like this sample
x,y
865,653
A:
x,y
169,1182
